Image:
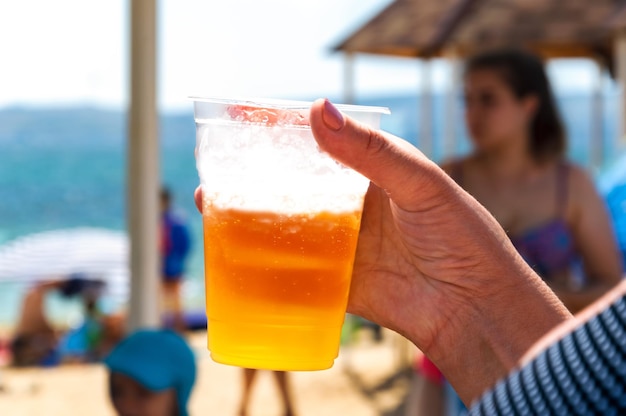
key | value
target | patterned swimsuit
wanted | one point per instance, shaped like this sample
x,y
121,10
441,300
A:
x,y
550,249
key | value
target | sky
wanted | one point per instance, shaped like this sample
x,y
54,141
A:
x,y
75,52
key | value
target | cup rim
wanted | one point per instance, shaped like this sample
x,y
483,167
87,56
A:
x,y
283,104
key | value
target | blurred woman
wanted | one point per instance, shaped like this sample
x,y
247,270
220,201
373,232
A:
x,y
548,206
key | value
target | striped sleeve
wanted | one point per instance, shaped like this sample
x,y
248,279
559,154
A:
x,y
582,374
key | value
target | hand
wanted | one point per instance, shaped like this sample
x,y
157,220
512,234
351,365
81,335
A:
x,y
432,263
425,244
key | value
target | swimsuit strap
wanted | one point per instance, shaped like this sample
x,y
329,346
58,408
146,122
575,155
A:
x,y
562,189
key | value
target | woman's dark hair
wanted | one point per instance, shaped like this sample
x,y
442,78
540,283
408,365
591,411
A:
x,y
524,73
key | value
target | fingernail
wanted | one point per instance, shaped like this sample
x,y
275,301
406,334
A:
x,y
332,117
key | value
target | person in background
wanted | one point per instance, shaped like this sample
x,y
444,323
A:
x,y
97,333
151,373
548,206
175,244
37,342
517,169
282,382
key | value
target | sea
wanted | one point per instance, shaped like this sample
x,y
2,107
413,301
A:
x,y
65,167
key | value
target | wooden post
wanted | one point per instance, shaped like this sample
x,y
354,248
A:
x,y
348,78
620,74
143,168
452,96
425,116
597,143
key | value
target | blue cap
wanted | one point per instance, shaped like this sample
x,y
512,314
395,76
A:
x,y
158,360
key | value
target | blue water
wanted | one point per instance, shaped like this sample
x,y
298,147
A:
x,y
62,168
65,168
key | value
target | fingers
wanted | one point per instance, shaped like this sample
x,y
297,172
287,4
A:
x,y
386,160
197,196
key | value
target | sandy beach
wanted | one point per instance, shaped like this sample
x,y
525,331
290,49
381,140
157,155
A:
x,y
368,378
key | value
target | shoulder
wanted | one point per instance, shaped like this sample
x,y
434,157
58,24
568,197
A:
x,y
582,194
580,182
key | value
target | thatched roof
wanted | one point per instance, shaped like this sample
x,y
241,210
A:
x,y
404,28
552,28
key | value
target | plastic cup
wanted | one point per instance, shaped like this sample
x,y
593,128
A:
x,y
281,221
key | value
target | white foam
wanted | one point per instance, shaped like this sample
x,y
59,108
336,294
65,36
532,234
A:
x,y
253,167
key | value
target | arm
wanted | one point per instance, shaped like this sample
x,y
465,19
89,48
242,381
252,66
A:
x,y
32,319
580,367
594,238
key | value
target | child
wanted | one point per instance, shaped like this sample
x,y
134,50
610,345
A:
x,y
151,373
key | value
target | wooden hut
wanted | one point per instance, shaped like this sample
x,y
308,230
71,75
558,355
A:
x,y
456,28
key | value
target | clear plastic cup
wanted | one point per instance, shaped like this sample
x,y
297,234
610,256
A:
x,y
281,221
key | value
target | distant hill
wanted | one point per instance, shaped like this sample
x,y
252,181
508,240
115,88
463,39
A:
x,y
76,126
80,126
92,126
96,127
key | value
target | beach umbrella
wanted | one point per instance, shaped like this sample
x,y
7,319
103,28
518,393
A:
x,y
92,253
553,28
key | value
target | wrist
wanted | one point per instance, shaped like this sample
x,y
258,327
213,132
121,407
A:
x,y
484,340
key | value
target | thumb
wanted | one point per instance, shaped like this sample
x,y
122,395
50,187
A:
x,y
386,160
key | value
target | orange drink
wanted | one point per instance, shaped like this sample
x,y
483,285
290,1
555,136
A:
x,y
281,222
277,286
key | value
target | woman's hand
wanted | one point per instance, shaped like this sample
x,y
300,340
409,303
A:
x,y
432,263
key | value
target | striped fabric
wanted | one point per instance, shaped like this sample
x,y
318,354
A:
x,y
583,374
96,253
